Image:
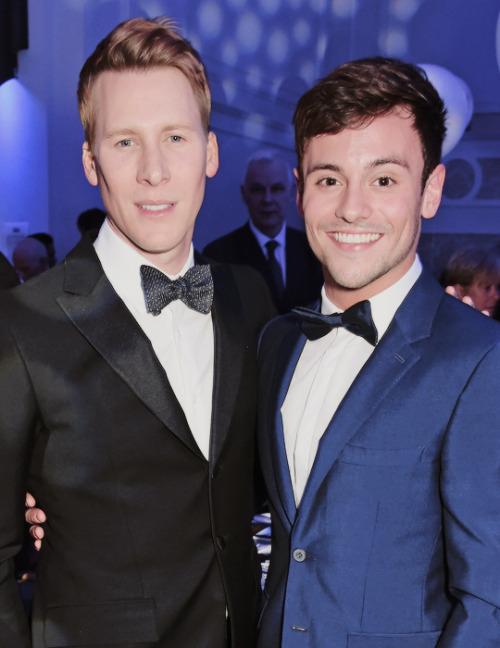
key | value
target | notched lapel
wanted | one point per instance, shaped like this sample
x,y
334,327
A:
x,y
394,356
102,318
288,356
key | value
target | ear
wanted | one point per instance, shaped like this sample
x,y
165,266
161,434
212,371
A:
x,y
89,165
212,162
243,194
433,191
298,193
460,291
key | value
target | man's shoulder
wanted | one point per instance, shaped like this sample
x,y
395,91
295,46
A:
x,y
223,248
244,286
78,270
429,313
278,328
468,323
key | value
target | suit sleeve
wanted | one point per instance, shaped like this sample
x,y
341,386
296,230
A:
x,y
470,490
17,416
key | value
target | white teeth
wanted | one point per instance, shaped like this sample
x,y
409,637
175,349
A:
x,y
155,207
342,237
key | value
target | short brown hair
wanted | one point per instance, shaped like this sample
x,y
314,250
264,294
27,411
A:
x,y
471,263
357,92
138,44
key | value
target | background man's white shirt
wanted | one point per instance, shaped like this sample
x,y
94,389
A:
x,y
280,251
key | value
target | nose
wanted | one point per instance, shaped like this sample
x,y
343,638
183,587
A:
x,y
153,167
268,195
353,205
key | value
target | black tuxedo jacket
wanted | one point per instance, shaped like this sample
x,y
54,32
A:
x,y
303,271
147,542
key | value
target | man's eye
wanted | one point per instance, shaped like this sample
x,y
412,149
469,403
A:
x,y
328,182
384,182
125,143
175,138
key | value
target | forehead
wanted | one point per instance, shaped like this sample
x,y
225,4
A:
x,y
267,172
159,93
386,137
487,278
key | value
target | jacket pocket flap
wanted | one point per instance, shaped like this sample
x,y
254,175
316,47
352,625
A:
x,y
412,640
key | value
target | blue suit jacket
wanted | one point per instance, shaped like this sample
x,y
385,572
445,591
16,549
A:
x,y
396,542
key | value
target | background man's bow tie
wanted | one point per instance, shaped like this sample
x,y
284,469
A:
x,y
195,289
357,319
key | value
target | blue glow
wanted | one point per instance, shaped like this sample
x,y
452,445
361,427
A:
x,y
270,7
254,127
210,19
394,42
318,5
302,32
249,32
236,4
497,39
229,53
344,8
278,47
404,10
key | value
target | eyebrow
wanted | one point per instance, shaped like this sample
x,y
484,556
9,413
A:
x,y
128,132
390,160
371,165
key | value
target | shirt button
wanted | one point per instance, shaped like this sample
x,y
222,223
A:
x,y
299,555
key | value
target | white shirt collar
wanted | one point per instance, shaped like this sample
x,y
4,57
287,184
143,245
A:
x,y
121,264
263,239
385,304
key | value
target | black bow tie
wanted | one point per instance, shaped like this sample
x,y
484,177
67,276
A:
x,y
357,319
195,289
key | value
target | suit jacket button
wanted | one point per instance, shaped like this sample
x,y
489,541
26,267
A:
x,y
299,555
221,542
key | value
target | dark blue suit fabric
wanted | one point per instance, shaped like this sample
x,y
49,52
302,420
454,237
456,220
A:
x,y
399,525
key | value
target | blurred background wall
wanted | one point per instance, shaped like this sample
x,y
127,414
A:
x,y
261,56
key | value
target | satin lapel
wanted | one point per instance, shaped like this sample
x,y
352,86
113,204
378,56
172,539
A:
x,y
391,360
99,314
286,361
229,352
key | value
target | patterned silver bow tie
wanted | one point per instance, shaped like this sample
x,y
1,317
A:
x,y
195,289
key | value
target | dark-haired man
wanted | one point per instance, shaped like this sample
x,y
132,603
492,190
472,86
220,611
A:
x,y
378,411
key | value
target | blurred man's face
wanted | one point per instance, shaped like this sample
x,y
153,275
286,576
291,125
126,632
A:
x,y
30,259
484,292
267,192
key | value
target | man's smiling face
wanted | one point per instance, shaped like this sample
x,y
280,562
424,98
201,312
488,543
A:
x,y
150,156
362,201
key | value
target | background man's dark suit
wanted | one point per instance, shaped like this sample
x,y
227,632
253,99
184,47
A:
x,y
303,271
146,541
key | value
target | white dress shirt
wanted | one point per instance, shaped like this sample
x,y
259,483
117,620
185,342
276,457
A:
x,y
182,338
325,370
279,252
